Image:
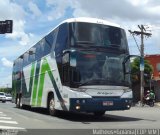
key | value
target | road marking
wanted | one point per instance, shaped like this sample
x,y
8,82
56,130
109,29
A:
x,y
3,115
9,122
8,127
6,118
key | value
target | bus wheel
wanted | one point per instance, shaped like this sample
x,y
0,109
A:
x,y
51,106
20,103
17,102
99,113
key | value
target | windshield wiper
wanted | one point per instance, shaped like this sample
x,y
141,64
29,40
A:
x,y
113,45
85,42
104,81
93,81
89,44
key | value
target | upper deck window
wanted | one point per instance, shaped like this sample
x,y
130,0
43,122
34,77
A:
x,y
90,34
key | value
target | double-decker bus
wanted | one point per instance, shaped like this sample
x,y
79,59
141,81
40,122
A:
x,y
80,66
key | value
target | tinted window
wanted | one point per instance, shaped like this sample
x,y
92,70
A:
x,y
19,63
2,94
32,56
50,38
90,34
39,49
26,59
61,42
99,69
47,48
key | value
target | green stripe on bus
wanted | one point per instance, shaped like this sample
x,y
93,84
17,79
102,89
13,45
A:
x,y
35,84
31,78
45,67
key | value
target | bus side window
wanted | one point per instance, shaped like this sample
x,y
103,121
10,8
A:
x,y
50,41
25,59
106,38
115,36
32,56
61,42
45,47
39,50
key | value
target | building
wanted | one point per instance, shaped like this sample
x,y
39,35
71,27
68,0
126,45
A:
x,y
154,60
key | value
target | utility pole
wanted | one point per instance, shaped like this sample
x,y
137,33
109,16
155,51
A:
x,y
142,33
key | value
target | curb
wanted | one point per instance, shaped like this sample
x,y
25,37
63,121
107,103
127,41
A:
x,y
157,104
139,105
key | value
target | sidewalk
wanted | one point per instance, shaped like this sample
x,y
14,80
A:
x,y
138,104
157,103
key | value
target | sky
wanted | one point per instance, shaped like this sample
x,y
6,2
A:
x,y
33,19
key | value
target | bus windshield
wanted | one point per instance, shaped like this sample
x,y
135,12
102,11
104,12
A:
x,y
90,34
99,68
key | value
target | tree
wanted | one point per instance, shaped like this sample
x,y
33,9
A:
x,y
135,71
6,90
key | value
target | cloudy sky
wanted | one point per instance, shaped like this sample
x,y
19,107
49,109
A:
x,y
35,18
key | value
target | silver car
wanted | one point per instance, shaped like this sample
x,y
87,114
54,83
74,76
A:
x,y
8,97
2,97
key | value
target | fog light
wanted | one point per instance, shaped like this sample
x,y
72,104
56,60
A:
x,y
78,107
128,106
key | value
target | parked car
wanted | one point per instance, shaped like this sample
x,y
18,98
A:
x,y
8,97
2,97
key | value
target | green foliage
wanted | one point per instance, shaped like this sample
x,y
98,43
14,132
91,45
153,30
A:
x,y
6,90
135,70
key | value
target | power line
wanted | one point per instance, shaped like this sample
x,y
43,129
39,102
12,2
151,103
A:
x,y
135,40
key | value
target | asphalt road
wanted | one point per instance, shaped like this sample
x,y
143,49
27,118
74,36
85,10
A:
x,y
136,118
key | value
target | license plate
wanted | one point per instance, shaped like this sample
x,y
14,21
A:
x,y
107,103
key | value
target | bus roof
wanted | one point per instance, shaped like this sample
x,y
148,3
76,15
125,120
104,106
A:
x,y
90,20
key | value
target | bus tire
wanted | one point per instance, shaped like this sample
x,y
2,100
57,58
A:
x,y
99,113
51,106
20,103
17,102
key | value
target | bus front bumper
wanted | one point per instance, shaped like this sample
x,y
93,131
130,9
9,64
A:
x,y
99,104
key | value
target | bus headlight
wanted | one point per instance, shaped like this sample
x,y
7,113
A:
x,y
128,94
128,106
65,58
79,89
78,107
73,61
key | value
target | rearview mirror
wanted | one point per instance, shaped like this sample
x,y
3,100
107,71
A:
x,y
131,58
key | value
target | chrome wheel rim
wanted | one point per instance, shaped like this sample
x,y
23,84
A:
x,y
52,105
20,103
17,101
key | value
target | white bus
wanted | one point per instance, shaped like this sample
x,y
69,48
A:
x,y
80,66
